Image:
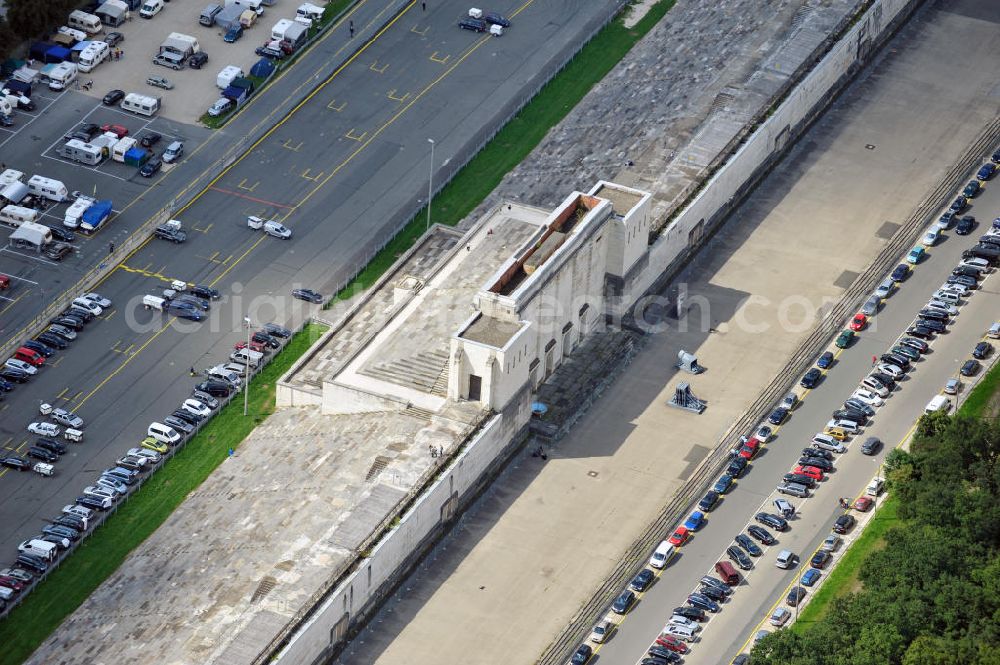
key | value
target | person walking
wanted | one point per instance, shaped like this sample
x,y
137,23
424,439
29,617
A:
x,y
111,248
351,28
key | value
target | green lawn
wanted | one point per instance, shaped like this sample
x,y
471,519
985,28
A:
x,y
101,554
518,138
980,402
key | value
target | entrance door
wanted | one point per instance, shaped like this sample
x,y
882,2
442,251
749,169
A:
x,y
475,387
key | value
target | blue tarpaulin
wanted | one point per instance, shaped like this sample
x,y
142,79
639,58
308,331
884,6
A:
x,y
262,69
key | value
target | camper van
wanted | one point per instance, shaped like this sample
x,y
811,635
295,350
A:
x,y
151,8
141,104
121,147
53,190
62,75
82,152
83,21
14,216
93,55
73,214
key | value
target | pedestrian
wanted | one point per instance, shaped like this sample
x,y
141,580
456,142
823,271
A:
x,y
423,6
352,29
193,373
111,248
3,166
874,360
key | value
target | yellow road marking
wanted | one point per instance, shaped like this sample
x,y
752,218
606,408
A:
x,y
439,59
243,185
419,32
338,109
378,70
294,148
355,137
308,176
14,301
396,98
203,230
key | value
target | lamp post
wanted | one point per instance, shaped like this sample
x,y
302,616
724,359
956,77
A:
x,y
246,368
430,185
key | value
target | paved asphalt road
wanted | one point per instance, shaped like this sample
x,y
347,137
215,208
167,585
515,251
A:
x,y
726,634
346,161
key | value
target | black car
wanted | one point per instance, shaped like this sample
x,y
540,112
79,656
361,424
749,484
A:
x,y
68,322
795,596
934,315
761,534
57,251
308,295
871,445
708,501
277,331
850,414
967,271
885,380
149,139
13,374
5,385
37,346
85,132
197,60
811,378
187,416
739,557
920,332
900,273
474,24
662,654
84,314
990,254
969,368
713,592
61,532
42,454
170,233
959,204
71,521
931,324
206,292
582,653
918,344
964,280
844,524
692,613
708,580
215,388
182,426
799,479
266,339
150,168
816,452
856,405
982,350
14,462
52,445
642,581
897,359
55,341
58,541
736,467
91,502
778,416
818,462
965,225
774,521
497,19
113,38
200,303
747,544
820,559
113,97
623,603
62,235
32,563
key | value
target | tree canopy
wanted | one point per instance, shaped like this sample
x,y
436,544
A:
x,y
932,594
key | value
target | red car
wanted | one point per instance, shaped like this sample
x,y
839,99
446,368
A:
x,y
858,322
254,346
863,504
809,471
679,536
117,130
11,583
750,448
672,643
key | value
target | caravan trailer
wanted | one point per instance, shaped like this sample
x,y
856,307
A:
x,y
83,21
141,104
14,216
47,188
82,152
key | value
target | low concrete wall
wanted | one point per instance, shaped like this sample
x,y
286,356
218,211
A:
x,y
378,572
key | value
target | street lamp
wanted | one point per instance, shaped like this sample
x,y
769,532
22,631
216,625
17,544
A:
x,y
246,368
430,185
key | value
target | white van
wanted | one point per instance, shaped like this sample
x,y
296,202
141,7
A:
x,y
141,104
310,11
14,216
62,75
92,56
84,21
151,8
40,548
247,357
53,190
163,433
661,555
875,487
938,403
994,331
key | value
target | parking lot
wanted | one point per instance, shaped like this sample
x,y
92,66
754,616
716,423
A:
x,y
194,89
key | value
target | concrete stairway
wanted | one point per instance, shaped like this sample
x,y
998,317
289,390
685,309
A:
x,y
423,371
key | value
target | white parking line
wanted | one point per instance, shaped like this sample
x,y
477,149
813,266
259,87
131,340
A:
x,y
28,256
22,279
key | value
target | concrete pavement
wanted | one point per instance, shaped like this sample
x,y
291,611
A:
x,y
525,558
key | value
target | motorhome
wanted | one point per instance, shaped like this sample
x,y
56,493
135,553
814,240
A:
x,y
53,190
62,75
121,147
92,56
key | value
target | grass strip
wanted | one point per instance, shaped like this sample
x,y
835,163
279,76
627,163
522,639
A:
x,y
843,579
517,139
103,551
978,403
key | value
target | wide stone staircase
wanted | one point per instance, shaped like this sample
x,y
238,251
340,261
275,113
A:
x,y
426,371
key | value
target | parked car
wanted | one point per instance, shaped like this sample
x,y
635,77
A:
x,y
773,521
623,603
761,534
795,596
197,60
160,82
747,544
843,524
308,295
810,577
825,360
113,97
811,378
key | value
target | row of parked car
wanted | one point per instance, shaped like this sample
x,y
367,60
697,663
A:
x,y
37,554
817,460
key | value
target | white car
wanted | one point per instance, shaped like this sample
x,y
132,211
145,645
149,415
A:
x,y
79,511
67,418
868,397
678,620
27,368
97,299
930,238
954,288
151,455
196,407
277,230
44,429
88,305
943,306
100,492
111,484
874,385
891,370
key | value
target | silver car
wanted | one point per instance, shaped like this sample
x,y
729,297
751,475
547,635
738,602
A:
x,y
601,631
831,543
871,306
160,82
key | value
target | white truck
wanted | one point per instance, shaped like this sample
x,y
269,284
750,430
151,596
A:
x,y
271,227
876,486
